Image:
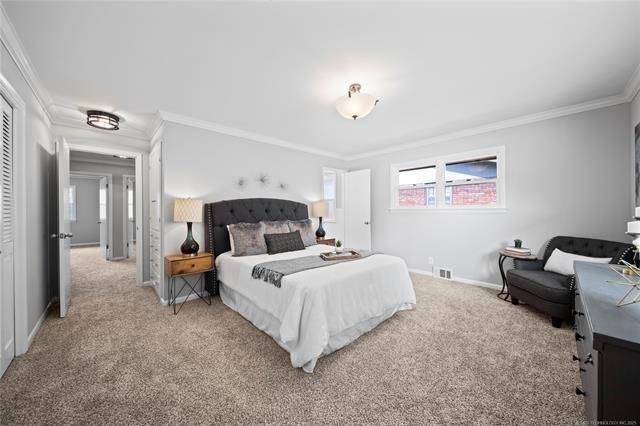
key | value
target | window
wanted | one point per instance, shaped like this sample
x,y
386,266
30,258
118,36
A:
x,y
467,180
471,182
72,203
130,203
417,186
330,190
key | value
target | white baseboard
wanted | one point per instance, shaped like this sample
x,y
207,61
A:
x,y
181,299
85,244
36,328
459,279
115,259
148,284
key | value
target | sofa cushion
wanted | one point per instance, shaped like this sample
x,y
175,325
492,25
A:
x,y
545,285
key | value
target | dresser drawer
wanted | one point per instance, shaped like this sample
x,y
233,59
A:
x,y
188,265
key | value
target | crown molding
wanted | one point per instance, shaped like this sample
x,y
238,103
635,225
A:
x,y
499,125
633,85
155,126
11,41
128,132
232,131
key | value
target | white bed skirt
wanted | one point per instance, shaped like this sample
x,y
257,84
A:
x,y
305,358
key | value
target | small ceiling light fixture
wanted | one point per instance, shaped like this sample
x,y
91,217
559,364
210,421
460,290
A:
x,y
355,104
102,120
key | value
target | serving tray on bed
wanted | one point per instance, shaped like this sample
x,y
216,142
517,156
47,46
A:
x,y
350,254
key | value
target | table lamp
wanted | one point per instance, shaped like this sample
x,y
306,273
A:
x,y
319,209
188,210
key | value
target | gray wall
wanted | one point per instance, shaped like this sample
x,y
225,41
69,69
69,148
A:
x,y
565,176
40,164
118,199
86,229
203,164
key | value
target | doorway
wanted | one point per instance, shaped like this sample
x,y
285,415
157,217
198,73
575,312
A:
x,y
100,204
129,215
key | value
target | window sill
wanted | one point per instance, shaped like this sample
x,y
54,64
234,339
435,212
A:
x,y
448,210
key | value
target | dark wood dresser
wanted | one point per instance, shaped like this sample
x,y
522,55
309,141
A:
x,y
608,345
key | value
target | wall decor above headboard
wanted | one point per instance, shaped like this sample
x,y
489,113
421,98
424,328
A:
x,y
219,214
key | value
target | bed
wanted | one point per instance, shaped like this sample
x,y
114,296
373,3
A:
x,y
314,312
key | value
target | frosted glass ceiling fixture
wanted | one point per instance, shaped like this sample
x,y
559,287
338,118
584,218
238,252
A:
x,y
355,104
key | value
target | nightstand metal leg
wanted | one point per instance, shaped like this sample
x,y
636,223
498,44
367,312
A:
x,y
173,295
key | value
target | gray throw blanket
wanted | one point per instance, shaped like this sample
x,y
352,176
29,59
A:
x,y
273,272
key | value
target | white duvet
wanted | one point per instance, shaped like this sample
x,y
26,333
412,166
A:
x,y
318,311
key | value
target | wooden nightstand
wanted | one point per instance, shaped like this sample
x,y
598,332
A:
x,y
326,241
179,266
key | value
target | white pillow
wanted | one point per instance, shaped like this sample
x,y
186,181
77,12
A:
x,y
561,262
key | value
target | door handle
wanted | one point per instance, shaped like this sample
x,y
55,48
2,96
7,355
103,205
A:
x,y
366,222
54,236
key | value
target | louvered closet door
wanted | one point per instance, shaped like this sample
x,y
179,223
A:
x,y
7,330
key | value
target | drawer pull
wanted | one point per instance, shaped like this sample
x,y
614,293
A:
x,y
575,358
589,359
582,369
579,337
580,391
578,313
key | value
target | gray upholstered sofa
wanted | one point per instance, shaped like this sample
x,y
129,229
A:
x,y
554,293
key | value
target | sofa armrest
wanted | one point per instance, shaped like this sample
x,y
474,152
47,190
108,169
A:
x,y
530,265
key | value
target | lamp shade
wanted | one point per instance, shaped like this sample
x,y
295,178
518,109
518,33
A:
x,y
319,209
187,210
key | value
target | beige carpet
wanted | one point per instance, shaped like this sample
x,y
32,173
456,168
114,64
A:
x,y
119,357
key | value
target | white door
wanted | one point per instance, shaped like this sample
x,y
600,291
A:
x,y
103,204
7,327
357,209
64,227
130,218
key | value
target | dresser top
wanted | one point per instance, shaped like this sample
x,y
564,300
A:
x,y
610,323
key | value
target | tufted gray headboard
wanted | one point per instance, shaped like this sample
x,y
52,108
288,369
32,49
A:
x,y
252,210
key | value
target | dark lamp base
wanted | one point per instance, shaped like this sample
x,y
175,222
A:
x,y
320,233
190,247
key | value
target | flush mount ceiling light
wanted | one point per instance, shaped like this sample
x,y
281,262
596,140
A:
x,y
102,120
355,104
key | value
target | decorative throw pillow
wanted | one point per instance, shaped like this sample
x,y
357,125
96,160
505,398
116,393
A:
x,y
561,262
280,243
248,239
306,231
276,227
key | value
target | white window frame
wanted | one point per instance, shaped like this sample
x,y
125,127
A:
x,y
440,163
331,218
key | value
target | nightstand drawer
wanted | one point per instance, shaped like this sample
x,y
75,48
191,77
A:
x,y
326,241
188,265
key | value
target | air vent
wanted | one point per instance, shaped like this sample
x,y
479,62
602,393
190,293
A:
x,y
444,273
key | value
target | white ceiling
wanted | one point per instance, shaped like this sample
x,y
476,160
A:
x,y
277,68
